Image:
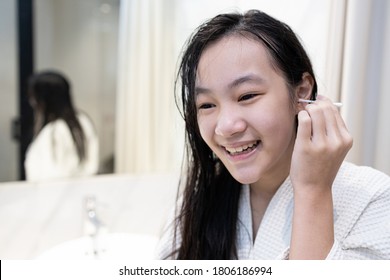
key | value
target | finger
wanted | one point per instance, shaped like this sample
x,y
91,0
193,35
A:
x,y
336,122
317,122
304,132
332,130
336,129
331,124
343,129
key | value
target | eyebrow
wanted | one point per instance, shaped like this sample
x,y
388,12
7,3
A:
x,y
244,79
251,78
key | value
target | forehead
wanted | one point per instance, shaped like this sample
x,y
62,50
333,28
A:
x,y
233,56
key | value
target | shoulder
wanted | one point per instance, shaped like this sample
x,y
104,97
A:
x,y
353,179
361,197
84,118
86,123
53,130
358,190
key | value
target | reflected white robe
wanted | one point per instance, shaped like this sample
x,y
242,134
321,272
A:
x,y
53,154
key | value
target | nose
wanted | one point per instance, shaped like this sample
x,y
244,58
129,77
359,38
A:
x,y
230,122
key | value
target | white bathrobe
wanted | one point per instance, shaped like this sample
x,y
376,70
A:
x,y
53,154
361,201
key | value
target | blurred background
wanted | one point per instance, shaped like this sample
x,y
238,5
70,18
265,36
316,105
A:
x,y
121,57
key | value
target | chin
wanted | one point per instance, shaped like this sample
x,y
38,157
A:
x,y
245,179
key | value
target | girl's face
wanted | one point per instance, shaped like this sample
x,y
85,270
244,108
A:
x,y
245,113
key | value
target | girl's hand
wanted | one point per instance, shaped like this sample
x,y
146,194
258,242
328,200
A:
x,y
321,145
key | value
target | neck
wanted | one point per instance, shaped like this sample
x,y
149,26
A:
x,y
267,188
269,184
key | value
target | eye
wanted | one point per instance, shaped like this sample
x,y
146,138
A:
x,y
247,96
205,106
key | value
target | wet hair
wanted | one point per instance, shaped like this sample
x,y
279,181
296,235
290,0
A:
x,y
208,215
49,93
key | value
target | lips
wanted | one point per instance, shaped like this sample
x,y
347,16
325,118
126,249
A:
x,y
242,149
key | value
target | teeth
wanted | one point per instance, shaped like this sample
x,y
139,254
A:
x,y
240,149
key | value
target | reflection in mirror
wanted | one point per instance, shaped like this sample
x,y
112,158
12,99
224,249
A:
x,y
65,142
80,38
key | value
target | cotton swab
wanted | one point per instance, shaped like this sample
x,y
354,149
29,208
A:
x,y
337,104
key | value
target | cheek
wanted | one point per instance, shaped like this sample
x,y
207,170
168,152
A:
x,y
205,129
273,121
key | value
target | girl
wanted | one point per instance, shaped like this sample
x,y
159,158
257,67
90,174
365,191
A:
x,y
265,175
65,142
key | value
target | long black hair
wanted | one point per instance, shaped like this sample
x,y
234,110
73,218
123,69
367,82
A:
x,y
50,96
207,220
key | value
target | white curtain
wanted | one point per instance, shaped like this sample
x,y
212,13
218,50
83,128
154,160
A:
x,y
366,81
334,50
145,131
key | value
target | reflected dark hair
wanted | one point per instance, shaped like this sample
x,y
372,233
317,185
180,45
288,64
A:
x,y
49,93
207,219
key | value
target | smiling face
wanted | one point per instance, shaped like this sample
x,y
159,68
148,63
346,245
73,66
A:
x,y
245,112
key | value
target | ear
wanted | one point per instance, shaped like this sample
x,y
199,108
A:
x,y
303,90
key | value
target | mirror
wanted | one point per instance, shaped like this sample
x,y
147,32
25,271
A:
x,y
77,38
